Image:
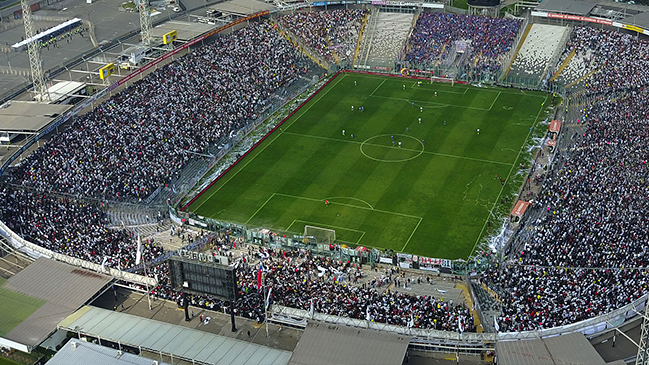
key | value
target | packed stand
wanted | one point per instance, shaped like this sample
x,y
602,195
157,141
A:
x,y
297,279
328,31
587,252
70,227
434,34
139,140
142,137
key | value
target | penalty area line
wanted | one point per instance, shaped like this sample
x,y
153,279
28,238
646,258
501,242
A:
x,y
412,234
260,208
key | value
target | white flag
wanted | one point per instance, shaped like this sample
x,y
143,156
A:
x,y
460,325
312,309
268,297
103,263
138,254
496,326
367,314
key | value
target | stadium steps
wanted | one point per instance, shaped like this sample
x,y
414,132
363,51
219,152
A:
x,y
368,35
564,65
477,58
518,48
291,37
469,300
584,77
334,53
360,37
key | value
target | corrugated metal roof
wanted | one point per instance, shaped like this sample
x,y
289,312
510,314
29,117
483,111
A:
x,y
323,344
181,342
77,352
640,20
65,289
575,7
571,349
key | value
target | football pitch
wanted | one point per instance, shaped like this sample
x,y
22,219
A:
x,y
430,187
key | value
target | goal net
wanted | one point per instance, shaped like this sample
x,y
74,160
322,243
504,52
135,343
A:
x,y
448,80
321,235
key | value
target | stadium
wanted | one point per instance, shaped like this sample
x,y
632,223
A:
x,y
367,182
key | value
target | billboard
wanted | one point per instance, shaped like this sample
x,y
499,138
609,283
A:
x,y
196,277
170,37
106,71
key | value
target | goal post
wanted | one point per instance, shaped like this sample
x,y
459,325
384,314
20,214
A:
x,y
322,235
448,80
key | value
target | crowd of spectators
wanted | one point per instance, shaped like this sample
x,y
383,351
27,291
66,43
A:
x,y
298,279
70,227
141,138
587,252
327,31
489,39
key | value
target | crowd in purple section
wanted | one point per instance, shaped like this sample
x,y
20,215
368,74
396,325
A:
x,y
327,31
587,252
336,288
433,36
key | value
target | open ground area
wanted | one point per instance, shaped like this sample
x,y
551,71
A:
x,y
426,186
16,308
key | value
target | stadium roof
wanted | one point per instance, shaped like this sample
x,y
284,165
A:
x,y
77,352
27,116
64,89
243,7
186,30
575,7
572,349
640,20
323,344
63,287
181,342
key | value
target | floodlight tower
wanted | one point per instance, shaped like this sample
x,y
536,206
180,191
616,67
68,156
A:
x,y
145,22
34,52
643,352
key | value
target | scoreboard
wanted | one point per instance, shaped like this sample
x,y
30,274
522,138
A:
x,y
196,277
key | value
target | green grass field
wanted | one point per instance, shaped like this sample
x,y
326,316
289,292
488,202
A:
x,y
16,308
432,196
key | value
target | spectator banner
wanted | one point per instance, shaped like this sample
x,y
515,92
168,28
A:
x,y
634,28
520,208
580,18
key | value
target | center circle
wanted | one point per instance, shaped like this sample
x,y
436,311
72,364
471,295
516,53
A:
x,y
371,147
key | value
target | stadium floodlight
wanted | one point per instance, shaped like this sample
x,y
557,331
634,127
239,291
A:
x,y
322,235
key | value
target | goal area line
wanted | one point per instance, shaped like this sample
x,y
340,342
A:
x,y
324,225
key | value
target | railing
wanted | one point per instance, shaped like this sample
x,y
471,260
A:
x,y
37,251
508,58
467,341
